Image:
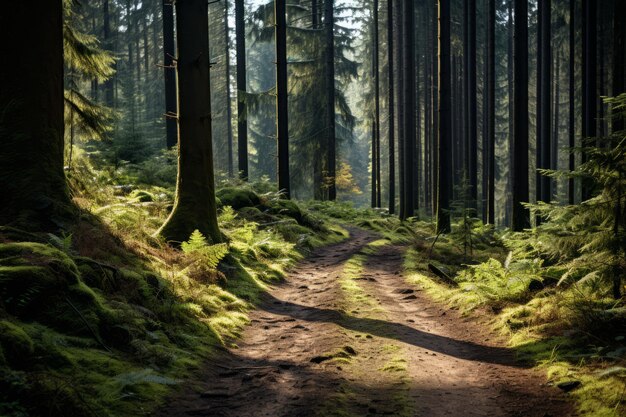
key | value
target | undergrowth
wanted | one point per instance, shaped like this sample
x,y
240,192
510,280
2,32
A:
x,y
104,319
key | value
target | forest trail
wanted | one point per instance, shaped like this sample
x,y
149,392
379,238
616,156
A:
x,y
345,335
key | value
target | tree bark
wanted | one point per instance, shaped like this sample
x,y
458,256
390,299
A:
x,y
401,109
242,110
377,104
169,74
32,181
408,34
572,99
106,37
390,101
444,180
194,204
521,217
589,74
282,108
491,111
329,22
472,138
545,99
229,112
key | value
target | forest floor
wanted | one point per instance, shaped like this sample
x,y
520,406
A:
x,y
345,335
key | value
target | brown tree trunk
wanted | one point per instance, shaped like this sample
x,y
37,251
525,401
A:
x,y
444,177
194,204
521,217
32,181
282,108
242,112
329,22
390,101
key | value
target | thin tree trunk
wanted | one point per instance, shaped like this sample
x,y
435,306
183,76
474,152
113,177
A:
x,y
106,36
521,217
545,105
472,137
229,112
377,104
589,74
619,38
435,106
444,183
282,108
169,74
329,22
508,218
390,101
194,205
401,108
242,111
491,111
554,147
374,168
572,99
408,34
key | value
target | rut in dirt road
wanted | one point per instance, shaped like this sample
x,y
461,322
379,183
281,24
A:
x,y
345,335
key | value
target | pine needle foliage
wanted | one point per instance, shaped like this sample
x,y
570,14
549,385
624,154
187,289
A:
x,y
589,239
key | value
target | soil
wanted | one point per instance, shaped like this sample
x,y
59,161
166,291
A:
x,y
314,348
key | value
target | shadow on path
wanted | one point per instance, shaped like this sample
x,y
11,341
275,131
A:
x,y
391,330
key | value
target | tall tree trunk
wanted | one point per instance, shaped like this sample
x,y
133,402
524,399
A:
x,y
572,99
619,38
282,107
32,181
521,217
329,22
401,108
373,166
229,112
408,34
169,74
130,68
491,111
554,147
545,99
589,74
377,104
472,136
390,101
435,105
315,17
194,204
508,213
106,36
444,177
242,111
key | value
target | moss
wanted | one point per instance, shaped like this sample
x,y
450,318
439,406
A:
x,y
31,273
237,198
142,196
287,208
16,344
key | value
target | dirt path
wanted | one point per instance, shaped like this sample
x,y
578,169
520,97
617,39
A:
x,y
344,335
